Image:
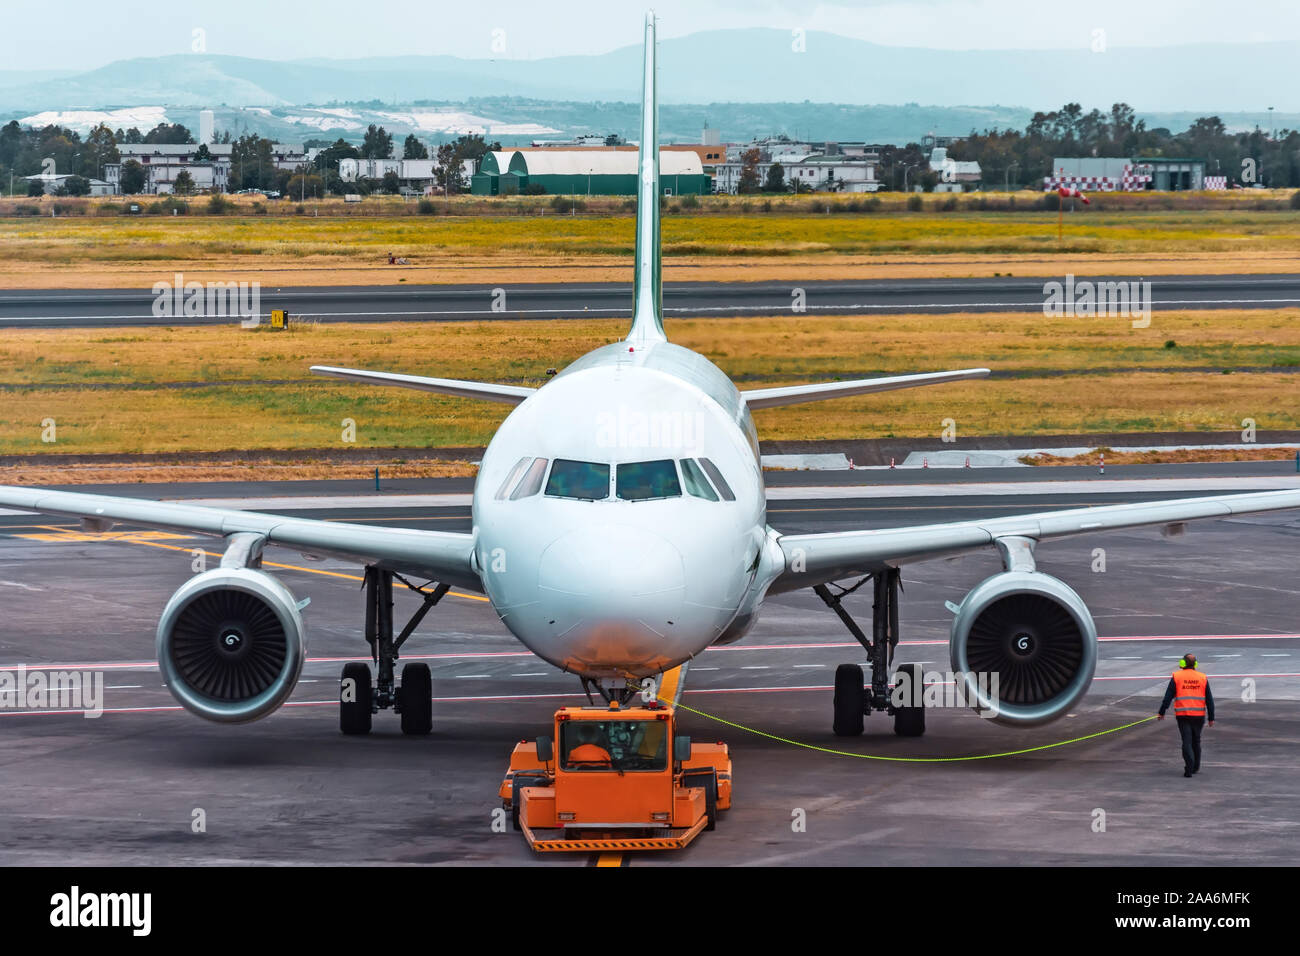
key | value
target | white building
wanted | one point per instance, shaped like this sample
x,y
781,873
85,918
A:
x,y
163,162
805,173
417,176
955,175
350,170
51,184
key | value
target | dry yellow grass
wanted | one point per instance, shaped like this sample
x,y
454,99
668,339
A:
x,y
506,269
38,473
125,392
81,252
753,350
1173,456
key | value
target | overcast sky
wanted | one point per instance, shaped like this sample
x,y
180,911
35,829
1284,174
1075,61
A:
x,y
90,33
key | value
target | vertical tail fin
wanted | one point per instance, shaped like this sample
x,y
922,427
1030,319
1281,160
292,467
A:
x,y
647,314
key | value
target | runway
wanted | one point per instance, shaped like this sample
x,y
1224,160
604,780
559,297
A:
x,y
505,302
124,788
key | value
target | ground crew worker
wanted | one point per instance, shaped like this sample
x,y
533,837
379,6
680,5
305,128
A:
x,y
1189,692
588,751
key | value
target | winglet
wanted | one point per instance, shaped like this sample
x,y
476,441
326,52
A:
x,y
647,314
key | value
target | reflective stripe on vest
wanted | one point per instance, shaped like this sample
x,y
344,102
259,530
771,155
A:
x,y
1189,693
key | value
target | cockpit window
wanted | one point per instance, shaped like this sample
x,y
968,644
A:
x,y
532,482
511,478
614,745
639,480
587,480
696,483
719,482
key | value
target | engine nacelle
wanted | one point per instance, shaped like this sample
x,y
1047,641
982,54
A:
x,y
1036,634
231,644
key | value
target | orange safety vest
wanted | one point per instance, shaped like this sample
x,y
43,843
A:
x,y
1189,692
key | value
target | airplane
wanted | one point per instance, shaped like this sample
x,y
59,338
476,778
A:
x,y
619,530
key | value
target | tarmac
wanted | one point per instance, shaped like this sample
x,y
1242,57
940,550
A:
x,y
128,787
572,300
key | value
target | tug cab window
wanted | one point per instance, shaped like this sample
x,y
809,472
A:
x,y
642,480
696,483
585,480
614,745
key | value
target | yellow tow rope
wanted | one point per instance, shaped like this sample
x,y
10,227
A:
x,y
845,753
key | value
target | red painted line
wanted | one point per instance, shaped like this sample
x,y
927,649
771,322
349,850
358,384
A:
x,y
1166,637
153,665
769,690
499,697
476,655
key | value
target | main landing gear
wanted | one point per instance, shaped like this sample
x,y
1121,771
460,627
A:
x,y
360,698
853,699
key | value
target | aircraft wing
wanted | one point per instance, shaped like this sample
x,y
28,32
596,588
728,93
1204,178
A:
x,y
812,559
796,394
440,555
488,391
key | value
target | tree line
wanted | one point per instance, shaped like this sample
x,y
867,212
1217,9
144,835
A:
x,y
1014,157
29,151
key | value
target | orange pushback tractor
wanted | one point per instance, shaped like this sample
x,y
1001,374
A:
x,y
615,779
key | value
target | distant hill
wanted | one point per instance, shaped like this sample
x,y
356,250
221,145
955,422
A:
x,y
724,66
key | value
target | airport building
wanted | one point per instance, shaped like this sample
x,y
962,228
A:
x,y
163,162
805,167
590,172
51,184
955,175
1123,174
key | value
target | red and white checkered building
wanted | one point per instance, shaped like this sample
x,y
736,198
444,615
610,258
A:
x,y
1134,178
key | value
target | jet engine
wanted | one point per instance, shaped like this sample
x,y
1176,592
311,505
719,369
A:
x,y
231,644
1034,635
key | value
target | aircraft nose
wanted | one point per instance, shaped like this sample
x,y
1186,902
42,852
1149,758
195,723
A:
x,y
613,598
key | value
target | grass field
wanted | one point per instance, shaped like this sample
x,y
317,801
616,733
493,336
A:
x,y
135,252
68,240
212,389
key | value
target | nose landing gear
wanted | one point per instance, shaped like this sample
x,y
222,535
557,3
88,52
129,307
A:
x,y
853,699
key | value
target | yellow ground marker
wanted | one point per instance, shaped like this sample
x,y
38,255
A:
x,y
60,534
152,539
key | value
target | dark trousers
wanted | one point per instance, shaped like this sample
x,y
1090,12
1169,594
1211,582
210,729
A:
x,y
1190,730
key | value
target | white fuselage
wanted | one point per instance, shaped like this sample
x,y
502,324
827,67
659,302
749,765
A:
x,y
618,588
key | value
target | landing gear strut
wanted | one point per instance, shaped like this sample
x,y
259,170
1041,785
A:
x,y
620,691
359,698
854,700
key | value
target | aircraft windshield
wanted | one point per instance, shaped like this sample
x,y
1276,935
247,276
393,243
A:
x,y
532,481
639,480
587,480
619,745
511,478
696,483
719,482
